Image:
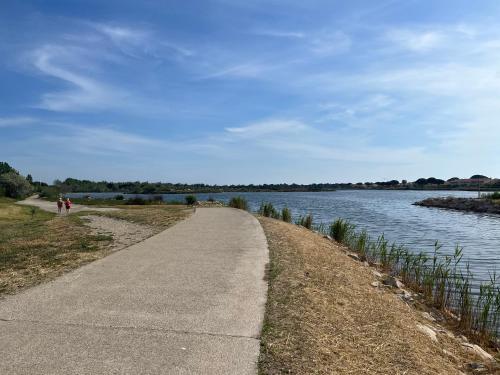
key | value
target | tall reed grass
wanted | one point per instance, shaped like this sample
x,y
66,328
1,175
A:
x,y
444,281
239,202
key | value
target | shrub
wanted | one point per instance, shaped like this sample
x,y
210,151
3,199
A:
x,y
268,210
305,221
341,230
137,201
211,199
190,200
286,215
15,185
495,195
119,197
239,202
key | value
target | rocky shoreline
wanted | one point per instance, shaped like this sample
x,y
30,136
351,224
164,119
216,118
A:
x,y
463,204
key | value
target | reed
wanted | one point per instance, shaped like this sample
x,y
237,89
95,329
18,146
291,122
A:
x,y
239,202
443,280
286,215
268,210
305,221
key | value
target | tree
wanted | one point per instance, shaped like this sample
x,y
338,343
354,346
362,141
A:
x,y
453,179
478,177
6,168
29,179
14,185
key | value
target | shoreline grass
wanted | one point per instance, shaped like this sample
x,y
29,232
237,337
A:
x,y
445,281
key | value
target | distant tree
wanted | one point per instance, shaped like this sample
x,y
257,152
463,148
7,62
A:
x,y
14,185
29,179
421,181
6,168
453,179
435,181
478,177
404,182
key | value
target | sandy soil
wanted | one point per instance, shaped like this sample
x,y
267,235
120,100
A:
x,y
124,232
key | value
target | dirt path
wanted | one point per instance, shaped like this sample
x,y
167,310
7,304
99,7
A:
x,y
52,207
189,300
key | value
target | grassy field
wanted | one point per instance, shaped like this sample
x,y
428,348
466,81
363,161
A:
x,y
323,316
36,246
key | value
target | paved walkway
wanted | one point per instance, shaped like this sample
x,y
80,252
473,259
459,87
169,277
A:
x,y
52,206
189,300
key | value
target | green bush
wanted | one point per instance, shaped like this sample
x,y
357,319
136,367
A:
x,y
341,230
286,215
495,195
239,202
119,197
268,210
305,221
137,201
190,200
15,185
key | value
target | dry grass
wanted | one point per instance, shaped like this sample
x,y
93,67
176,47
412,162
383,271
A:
x,y
324,317
159,217
42,247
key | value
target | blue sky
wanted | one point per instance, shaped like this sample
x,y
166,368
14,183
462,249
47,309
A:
x,y
230,91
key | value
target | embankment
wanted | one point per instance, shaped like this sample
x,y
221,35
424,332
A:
x,y
463,204
328,313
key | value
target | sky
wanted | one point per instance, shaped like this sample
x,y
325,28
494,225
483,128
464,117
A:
x,y
250,91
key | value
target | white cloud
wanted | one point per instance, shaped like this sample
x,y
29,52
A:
x,y
417,41
330,43
16,121
86,94
281,34
260,129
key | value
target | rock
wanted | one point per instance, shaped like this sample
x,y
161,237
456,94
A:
x,y
393,282
477,368
480,352
428,316
375,284
328,237
428,331
366,264
463,338
376,273
353,256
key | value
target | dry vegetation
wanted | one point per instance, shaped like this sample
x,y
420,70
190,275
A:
x,y
36,246
324,317
159,217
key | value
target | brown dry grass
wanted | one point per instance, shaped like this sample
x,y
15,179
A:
x,y
159,217
324,317
42,247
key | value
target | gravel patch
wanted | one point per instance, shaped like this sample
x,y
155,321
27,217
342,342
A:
x,y
124,232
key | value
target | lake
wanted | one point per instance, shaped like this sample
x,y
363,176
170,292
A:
x,y
391,213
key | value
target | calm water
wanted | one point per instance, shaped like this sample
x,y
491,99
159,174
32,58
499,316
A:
x,y
391,213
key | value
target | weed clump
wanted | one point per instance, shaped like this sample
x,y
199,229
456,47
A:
x,y
239,202
286,215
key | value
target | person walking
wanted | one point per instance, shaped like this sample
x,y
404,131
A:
x,y
59,205
67,204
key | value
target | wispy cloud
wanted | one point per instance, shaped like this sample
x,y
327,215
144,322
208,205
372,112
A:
x,y
6,122
417,41
280,33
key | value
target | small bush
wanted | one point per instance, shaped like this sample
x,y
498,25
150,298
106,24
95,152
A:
x,y
137,201
494,196
211,199
305,221
119,197
239,202
341,230
157,199
190,200
268,210
286,215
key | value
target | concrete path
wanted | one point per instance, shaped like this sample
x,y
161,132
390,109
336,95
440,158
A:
x,y
52,206
189,300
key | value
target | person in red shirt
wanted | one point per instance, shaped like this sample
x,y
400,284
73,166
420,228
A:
x,y
67,204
